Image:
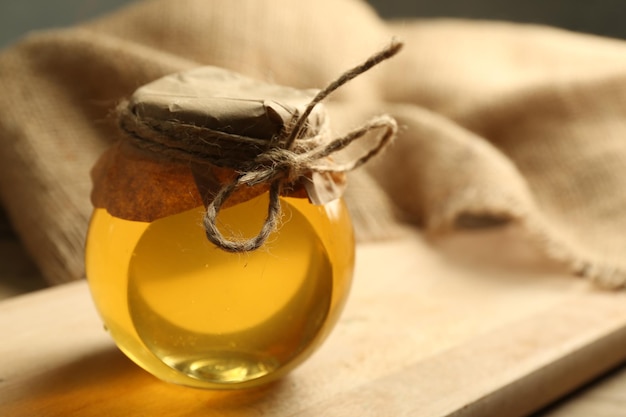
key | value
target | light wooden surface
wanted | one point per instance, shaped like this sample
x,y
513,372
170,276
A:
x,y
468,329
605,397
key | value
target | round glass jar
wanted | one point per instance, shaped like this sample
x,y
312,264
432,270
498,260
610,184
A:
x,y
178,299
193,314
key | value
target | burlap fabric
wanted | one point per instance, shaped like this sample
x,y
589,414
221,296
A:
x,y
501,122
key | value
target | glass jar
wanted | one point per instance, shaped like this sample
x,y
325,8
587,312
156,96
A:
x,y
196,315
180,303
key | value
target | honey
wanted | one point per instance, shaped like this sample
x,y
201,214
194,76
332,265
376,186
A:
x,y
196,315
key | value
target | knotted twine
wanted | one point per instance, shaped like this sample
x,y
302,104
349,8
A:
x,y
291,156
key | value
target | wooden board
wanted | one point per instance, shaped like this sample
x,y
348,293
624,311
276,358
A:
x,y
476,325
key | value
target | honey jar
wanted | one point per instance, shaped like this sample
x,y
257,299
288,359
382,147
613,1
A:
x,y
196,305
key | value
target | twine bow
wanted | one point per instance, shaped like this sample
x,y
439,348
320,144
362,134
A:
x,y
281,165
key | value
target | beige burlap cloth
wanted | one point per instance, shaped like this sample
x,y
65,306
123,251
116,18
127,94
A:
x,y
501,122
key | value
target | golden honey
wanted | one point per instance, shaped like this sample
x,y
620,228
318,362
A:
x,y
193,314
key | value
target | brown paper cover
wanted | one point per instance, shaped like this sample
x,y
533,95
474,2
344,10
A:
x,y
140,185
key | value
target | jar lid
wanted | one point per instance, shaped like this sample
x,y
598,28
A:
x,y
165,169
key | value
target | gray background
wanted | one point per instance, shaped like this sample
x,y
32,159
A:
x,y
605,17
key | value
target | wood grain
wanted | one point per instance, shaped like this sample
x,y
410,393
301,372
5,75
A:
x,y
451,331
603,397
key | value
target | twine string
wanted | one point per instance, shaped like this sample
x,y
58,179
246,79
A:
x,y
289,157
281,165
386,53
243,245
286,168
